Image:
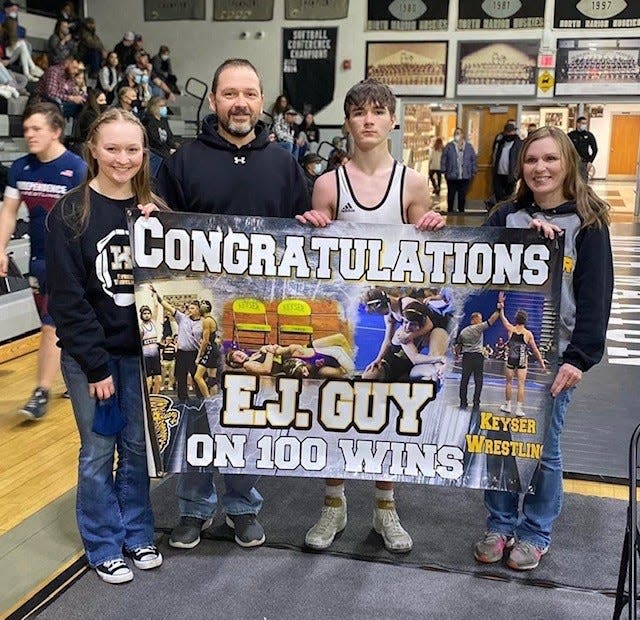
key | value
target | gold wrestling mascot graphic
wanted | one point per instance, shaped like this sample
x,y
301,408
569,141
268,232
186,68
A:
x,y
164,418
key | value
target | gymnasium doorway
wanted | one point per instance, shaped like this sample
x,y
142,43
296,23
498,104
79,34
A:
x,y
625,139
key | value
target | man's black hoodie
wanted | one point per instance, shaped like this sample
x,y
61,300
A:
x,y
211,175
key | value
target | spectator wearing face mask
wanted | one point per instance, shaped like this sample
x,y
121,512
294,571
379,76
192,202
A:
x,y
161,140
312,168
504,163
585,143
138,79
96,104
161,64
459,165
128,100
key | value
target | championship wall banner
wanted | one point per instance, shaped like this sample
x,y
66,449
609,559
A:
x,y
242,10
605,14
404,15
309,67
500,14
329,352
316,9
170,10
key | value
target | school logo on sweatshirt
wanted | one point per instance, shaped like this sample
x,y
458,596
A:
x,y
114,267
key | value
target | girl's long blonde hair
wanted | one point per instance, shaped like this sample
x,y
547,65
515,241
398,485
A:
x,y
77,217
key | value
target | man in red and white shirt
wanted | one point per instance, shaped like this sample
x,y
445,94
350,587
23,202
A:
x,y
58,86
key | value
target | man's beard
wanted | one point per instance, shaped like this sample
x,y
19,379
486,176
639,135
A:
x,y
234,128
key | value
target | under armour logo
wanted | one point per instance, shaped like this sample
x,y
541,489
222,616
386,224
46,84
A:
x,y
347,208
239,160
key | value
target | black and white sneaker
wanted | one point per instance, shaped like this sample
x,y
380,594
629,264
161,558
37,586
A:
x,y
36,406
145,558
114,571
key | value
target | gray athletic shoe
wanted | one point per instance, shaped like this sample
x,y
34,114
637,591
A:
x,y
186,535
36,406
491,548
248,531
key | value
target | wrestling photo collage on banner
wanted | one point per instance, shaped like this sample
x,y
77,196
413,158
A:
x,y
346,351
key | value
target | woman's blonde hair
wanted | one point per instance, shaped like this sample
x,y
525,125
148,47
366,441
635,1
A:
x,y
593,211
154,104
77,217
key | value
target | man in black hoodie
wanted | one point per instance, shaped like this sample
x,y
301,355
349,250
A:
x,y
231,168
504,162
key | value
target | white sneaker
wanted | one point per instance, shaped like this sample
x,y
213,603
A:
x,y
5,91
520,411
146,557
387,523
332,521
114,571
506,406
35,70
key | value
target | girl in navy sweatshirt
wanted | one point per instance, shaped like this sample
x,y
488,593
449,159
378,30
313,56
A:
x,y
553,197
92,303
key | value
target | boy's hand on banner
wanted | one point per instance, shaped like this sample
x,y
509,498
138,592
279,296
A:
x,y
148,209
545,228
431,220
568,376
317,218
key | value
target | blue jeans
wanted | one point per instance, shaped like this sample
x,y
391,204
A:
x,y
539,511
112,513
197,495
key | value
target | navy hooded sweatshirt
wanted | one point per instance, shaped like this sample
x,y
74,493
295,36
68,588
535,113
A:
x,y
211,175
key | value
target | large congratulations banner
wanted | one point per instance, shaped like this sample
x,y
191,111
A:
x,y
281,349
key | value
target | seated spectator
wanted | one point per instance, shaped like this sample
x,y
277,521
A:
x,y
138,79
125,50
312,168
81,82
138,43
108,77
8,86
311,131
157,86
16,48
161,140
58,85
95,105
161,64
61,44
128,100
285,129
278,109
337,158
68,14
90,47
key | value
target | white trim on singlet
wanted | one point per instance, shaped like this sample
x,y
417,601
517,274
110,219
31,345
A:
x,y
149,339
350,209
